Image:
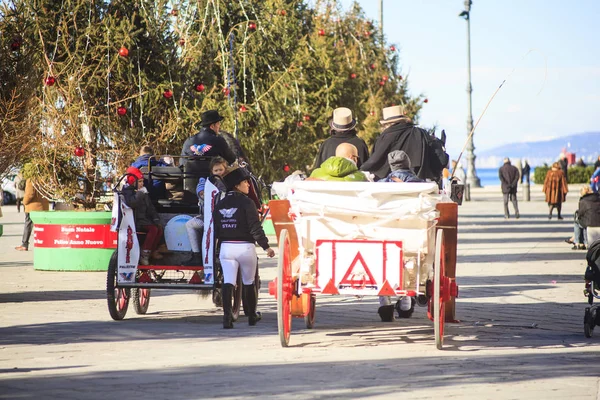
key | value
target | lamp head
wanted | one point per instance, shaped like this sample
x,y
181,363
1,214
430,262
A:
x,y
464,14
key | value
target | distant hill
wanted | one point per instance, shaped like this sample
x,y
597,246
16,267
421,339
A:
x,y
586,145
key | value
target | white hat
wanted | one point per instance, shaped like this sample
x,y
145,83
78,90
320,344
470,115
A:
x,y
342,120
392,114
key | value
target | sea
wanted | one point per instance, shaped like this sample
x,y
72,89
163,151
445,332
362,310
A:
x,y
489,176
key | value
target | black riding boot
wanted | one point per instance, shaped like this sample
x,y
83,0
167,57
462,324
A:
x,y
559,209
227,300
550,209
249,298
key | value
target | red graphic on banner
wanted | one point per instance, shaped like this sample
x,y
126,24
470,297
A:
x,y
74,236
360,279
128,245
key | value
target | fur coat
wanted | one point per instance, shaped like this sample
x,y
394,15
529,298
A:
x,y
555,186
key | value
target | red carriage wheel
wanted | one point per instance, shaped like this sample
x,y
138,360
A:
x,y
439,286
309,318
141,300
284,289
117,298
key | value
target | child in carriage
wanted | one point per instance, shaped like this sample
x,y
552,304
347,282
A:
x,y
400,166
195,226
238,228
146,217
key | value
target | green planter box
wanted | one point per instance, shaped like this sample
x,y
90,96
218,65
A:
x,y
72,240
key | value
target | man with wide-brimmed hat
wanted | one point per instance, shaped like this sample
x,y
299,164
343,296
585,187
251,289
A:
x,y
343,130
427,154
207,142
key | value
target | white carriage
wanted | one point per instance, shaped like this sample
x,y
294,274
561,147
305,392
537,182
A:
x,y
361,239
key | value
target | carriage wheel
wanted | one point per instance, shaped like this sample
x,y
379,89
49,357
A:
x,y
284,289
117,298
439,306
309,318
141,300
237,297
588,323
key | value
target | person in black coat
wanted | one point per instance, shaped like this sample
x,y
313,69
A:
x,y
342,131
564,165
427,154
509,178
237,228
207,142
588,215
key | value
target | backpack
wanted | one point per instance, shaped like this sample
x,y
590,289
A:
x,y
22,184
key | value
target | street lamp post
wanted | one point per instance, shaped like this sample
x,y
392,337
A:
x,y
472,178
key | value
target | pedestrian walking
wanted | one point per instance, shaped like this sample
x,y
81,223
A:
x,y
237,228
555,188
509,178
32,201
525,173
20,183
564,164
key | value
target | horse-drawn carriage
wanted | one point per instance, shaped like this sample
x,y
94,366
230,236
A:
x,y
360,239
128,280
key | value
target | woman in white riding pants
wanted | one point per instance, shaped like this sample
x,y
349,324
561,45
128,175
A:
x,y
237,227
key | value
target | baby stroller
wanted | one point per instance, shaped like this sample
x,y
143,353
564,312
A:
x,y
592,289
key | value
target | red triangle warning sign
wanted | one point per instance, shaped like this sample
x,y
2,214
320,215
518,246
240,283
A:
x,y
358,277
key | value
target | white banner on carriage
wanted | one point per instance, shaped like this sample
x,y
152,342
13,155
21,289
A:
x,y
114,220
128,249
211,194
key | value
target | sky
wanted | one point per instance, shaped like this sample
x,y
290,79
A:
x,y
548,51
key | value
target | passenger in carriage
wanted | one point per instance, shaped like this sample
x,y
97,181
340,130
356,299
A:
x,y
341,167
207,142
237,228
146,217
156,190
400,166
195,226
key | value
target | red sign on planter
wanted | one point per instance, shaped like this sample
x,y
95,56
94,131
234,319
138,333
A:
x,y
74,236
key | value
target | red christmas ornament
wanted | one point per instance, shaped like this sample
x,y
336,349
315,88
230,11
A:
x,y
252,26
167,94
367,33
243,108
372,66
353,76
14,46
392,48
307,117
200,87
426,101
384,78
399,77
299,124
282,13
123,52
226,91
50,81
79,151
286,168
372,113
121,111
174,12
321,32
182,42
381,83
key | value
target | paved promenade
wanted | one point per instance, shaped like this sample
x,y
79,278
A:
x,y
520,336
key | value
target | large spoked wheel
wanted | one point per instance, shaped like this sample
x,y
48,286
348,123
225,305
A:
x,y
439,306
309,319
284,289
237,297
117,298
589,322
141,300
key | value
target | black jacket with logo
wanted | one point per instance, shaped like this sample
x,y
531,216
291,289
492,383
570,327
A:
x,y
236,220
215,145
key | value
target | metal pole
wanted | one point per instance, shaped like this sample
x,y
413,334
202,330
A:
x,y
472,178
381,21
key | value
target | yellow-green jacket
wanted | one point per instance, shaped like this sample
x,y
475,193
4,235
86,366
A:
x,y
338,169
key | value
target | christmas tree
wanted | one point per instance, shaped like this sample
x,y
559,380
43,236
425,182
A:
x,y
95,80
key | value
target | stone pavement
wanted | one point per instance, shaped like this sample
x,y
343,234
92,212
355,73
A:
x,y
521,334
